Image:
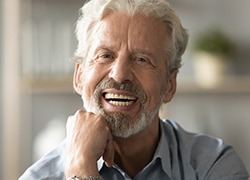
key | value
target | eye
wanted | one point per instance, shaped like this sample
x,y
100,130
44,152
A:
x,y
140,59
144,61
104,58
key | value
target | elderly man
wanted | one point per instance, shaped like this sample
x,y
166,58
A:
x,y
128,57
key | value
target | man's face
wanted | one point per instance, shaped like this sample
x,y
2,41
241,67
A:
x,y
124,76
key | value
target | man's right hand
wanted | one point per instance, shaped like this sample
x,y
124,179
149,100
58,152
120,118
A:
x,y
88,138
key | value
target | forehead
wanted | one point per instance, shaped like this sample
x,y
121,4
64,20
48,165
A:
x,y
136,31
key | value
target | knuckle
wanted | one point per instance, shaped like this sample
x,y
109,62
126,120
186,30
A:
x,y
80,115
80,112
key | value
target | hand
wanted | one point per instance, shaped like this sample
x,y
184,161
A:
x,y
88,138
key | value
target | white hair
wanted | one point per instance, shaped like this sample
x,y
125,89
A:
x,y
95,10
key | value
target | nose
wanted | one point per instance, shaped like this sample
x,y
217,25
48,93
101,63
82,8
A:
x,y
121,70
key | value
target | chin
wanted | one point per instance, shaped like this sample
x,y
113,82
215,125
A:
x,y
122,127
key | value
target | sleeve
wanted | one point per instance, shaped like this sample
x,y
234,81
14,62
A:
x,y
28,175
49,167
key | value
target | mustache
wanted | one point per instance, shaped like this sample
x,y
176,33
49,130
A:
x,y
126,86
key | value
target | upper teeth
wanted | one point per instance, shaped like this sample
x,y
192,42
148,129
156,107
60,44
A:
x,y
120,100
118,96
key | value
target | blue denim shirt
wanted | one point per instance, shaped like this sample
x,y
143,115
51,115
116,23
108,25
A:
x,y
180,155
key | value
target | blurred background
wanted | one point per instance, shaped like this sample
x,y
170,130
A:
x,y
36,94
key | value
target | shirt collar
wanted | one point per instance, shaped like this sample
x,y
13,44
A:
x,y
162,153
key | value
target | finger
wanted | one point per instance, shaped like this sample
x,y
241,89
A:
x,y
72,119
109,152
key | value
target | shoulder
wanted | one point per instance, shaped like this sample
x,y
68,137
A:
x,y
193,141
208,156
50,166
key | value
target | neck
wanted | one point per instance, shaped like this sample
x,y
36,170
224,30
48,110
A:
x,y
134,153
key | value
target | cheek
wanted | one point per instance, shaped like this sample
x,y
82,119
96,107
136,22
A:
x,y
91,78
154,87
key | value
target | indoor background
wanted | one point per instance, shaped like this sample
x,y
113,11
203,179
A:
x,y
36,94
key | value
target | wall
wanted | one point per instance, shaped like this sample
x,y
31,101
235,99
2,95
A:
x,y
10,89
0,88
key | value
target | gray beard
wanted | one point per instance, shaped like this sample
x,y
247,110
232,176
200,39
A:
x,y
121,126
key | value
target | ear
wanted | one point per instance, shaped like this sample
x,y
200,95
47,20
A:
x,y
171,88
77,81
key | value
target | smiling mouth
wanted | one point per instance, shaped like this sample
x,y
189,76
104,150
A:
x,y
119,100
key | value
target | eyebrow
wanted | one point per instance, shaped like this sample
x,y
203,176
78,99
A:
x,y
142,51
105,47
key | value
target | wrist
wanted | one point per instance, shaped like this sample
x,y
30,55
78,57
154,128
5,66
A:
x,y
96,177
81,168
